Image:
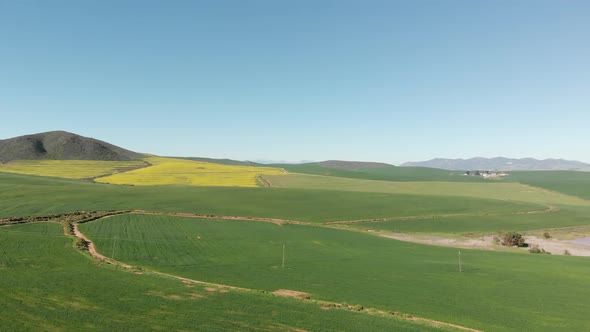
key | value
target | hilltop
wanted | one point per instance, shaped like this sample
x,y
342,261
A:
x,y
502,164
61,145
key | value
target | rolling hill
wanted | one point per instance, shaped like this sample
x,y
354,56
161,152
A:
x,y
62,145
376,171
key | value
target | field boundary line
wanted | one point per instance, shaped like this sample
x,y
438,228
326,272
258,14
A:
x,y
549,209
276,221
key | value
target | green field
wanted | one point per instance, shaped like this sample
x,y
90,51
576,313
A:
x,y
385,173
567,216
490,189
497,291
47,285
567,182
24,195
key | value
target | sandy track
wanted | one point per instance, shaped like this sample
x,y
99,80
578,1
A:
x,y
557,247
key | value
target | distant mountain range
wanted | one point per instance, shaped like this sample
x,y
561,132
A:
x,y
351,165
61,145
502,164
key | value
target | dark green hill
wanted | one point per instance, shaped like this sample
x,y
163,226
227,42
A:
x,y
377,171
61,145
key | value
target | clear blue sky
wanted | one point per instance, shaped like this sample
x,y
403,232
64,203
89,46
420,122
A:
x,y
389,81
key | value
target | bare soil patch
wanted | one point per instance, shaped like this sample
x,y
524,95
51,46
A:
x,y
291,293
558,247
485,242
554,246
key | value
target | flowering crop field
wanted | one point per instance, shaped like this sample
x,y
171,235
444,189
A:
x,y
71,169
170,171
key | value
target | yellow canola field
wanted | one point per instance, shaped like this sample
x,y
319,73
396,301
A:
x,y
70,169
170,171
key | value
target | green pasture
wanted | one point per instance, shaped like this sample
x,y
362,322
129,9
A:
x,y
385,173
22,195
567,216
496,292
489,189
567,182
47,285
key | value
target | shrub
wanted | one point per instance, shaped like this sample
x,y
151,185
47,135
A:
x,y
513,239
81,244
547,235
535,249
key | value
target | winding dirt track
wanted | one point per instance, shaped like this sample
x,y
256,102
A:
x,y
92,249
279,221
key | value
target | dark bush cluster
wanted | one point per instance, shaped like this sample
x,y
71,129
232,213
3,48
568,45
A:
x,y
512,239
81,244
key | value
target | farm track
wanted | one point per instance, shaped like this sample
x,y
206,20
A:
x,y
289,293
549,209
277,221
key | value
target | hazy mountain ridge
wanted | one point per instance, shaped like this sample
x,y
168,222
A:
x,y
62,145
352,165
502,164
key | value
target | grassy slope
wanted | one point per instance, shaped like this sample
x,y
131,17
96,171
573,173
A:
x,y
567,182
567,216
387,173
24,195
574,211
489,189
497,291
47,285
